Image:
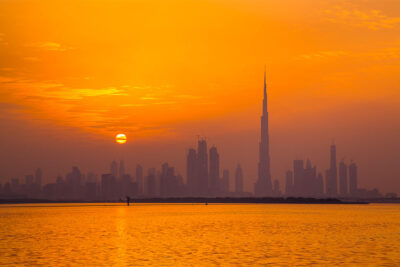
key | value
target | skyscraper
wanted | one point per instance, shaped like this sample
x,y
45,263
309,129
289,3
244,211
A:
x,y
202,167
263,186
150,188
108,185
114,169
353,179
214,171
331,174
239,179
343,179
139,178
191,172
298,169
169,185
121,169
309,180
320,185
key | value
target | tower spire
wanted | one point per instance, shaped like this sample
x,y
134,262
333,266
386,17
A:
x,y
263,186
265,100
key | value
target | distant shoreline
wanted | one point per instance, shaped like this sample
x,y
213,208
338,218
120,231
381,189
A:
x,y
198,200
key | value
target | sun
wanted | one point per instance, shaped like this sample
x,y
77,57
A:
x,y
120,138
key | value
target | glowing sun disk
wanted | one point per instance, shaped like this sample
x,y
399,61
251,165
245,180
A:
x,y
120,138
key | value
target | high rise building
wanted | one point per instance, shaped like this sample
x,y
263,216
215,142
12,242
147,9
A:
x,y
114,169
305,182
163,179
108,186
73,182
309,180
331,174
263,186
320,185
298,168
239,179
38,177
214,171
121,169
169,185
202,167
191,172
151,184
353,179
343,179
139,178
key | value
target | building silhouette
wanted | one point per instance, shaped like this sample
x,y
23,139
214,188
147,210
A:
x,y
108,186
202,167
304,181
151,183
331,174
191,172
309,180
353,186
239,180
121,172
203,178
320,186
263,186
139,179
114,169
214,172
343,179
298,172
170,184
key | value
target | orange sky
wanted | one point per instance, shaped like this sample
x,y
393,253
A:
x,y
164,71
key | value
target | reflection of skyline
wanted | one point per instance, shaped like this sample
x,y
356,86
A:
x,y
203,178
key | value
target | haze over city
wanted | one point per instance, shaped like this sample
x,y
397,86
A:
x,y
199,132
66,89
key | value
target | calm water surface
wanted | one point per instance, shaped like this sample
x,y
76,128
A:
x,y
164,234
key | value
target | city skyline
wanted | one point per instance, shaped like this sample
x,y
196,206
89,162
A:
x,y
199,132
331,181
67,89
203,177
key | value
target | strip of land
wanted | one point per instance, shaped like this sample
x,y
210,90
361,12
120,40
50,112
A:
x,y
243,200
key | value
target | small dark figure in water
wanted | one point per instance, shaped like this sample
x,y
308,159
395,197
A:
x,y
128,199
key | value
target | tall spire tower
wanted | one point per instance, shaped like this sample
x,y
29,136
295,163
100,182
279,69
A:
x,y
263,186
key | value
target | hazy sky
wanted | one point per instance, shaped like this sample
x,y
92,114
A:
x,y
73,74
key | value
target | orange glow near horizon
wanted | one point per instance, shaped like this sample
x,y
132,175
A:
x,y
148,68
163,72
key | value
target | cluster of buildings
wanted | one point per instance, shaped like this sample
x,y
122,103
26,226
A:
x,y
203,178
203,174
117,184
304,181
